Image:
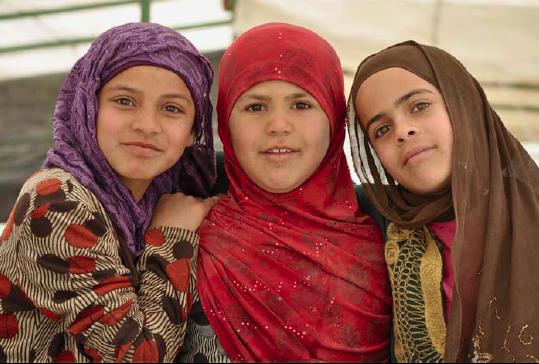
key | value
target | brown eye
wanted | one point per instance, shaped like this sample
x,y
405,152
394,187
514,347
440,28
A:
x,y
381,131
124,101
420,106
172,108
301,106
255,108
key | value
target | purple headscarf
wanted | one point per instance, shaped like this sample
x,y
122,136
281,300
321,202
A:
x,y
75,140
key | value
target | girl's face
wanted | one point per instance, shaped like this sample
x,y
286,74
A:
x,y
144,123
280,135
408,125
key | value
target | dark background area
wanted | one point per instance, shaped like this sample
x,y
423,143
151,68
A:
x,y
26,110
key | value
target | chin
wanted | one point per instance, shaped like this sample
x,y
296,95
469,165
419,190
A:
x,y
278,188
139,173
428,188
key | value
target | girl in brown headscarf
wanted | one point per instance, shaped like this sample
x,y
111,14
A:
x,y
461,199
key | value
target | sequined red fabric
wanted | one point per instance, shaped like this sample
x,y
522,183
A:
x,y
297,276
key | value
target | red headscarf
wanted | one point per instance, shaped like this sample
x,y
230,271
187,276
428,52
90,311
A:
x,y
301,275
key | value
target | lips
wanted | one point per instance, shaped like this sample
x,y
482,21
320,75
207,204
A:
x,y
142,150
279,150
415,152
144,145
279,153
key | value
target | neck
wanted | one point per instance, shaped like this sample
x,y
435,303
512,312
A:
x,y
137,187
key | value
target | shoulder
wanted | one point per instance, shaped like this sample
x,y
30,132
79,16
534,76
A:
x,y
49,179
53,186
54,191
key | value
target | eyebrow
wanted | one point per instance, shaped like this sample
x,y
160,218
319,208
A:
x,y
294,96
297,95
256,97
137,91
124,88
398,102
176,96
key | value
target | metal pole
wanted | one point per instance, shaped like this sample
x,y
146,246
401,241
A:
x,y
145,11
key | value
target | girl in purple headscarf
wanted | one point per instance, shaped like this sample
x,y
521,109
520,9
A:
x,y
87,272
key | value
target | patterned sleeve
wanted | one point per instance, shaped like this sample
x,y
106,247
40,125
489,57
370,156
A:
x,y
70,268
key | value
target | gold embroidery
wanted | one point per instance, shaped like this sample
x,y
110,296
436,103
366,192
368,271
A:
x,y
415,271
478,356
396,234
431,277
399,352
524,337
505,347
521,333
491,303
391,252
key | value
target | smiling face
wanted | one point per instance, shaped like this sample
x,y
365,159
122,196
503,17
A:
x,y
144,123
280,135
408,125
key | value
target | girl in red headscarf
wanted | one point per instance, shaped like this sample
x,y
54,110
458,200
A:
x,y
290,268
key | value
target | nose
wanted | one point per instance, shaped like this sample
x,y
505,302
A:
x,y
279,123
406,131
147,121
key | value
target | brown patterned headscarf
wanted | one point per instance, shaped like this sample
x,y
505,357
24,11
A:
x,y
494,196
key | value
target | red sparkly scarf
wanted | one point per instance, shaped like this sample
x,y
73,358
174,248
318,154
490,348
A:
x,y
297,276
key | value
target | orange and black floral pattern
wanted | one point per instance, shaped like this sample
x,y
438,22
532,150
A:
x,y
70,293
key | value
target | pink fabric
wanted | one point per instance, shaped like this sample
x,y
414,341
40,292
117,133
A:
x,y
445,231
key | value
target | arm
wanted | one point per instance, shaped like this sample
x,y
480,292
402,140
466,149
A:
x,y
74,275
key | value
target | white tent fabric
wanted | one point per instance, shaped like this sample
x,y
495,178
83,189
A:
x,y
497,40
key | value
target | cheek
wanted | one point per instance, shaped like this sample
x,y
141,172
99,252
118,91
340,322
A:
x,y
238,141
325,141
106,129
243,137
443,132
178,139
318,136
449,138
388,159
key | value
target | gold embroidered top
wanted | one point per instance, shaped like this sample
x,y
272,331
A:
x,y
415,268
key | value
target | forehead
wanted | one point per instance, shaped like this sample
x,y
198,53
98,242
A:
x,y
386,84
274,88
153,75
